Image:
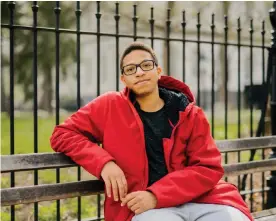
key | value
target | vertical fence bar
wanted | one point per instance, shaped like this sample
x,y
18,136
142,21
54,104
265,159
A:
x,y
11,6
57,10
271,201
251,75
117,18
226,83
263,51
168,23
226,78
184,44
151,21
251,103
239,92
98,17
263,82
35,10
78,14
198,58
272,180
213,72
135,19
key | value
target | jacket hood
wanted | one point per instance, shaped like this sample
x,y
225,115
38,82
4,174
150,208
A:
x,y
176,86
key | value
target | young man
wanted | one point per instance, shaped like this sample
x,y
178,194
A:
x,y
159,161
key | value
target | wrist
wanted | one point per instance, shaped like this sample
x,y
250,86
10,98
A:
x,y
154,198
104,167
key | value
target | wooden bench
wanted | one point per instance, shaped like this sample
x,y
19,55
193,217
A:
x,y
47,192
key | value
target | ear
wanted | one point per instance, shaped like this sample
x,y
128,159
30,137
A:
x,y
122,78
159,71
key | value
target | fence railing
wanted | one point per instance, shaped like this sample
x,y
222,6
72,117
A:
x,y
256,128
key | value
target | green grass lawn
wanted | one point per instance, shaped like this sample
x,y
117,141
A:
x,y
24,143
24,134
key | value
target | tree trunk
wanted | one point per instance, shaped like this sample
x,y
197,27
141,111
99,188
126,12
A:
x,y
47,90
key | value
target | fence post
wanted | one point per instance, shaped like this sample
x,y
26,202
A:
x,y
271,182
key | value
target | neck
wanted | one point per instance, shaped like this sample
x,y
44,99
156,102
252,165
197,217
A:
x,y
150,102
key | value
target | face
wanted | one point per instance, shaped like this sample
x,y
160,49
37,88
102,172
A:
x,y
143,82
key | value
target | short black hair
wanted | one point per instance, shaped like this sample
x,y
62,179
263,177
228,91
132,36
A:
x,y
138,46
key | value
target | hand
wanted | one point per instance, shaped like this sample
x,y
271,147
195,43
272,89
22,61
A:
x,y
140,201
114,178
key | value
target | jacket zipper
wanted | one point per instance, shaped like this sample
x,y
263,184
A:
x,y
174,128
172,143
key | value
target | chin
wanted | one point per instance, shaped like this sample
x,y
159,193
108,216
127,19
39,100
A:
x,y
142,92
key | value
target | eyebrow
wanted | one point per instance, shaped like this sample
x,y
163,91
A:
x,y
139,62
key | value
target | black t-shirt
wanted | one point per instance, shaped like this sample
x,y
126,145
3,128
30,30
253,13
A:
x,y
156,127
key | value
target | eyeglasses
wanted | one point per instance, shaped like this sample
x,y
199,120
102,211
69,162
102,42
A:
x,y
131,69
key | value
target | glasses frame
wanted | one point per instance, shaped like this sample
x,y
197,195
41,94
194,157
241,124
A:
x,y
138,65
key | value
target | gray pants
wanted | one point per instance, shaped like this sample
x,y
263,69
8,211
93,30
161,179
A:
x,y
193,212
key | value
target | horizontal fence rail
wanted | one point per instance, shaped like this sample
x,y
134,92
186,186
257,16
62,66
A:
x,y
140,37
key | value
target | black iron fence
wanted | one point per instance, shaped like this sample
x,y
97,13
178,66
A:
x,y
256,188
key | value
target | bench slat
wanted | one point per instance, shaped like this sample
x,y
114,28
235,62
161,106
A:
x,y
23,162
246,143
250,167
48,192
52,160
246,192
265,215
268,218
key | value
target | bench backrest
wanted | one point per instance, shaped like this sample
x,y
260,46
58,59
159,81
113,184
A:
x,y
31,194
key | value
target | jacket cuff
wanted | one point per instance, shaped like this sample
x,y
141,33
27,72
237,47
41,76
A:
x,y
152,190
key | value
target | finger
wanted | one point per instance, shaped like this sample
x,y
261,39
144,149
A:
x,y
120,188
128,197
135,206
124,181
114,189
138,211
132,202
108,187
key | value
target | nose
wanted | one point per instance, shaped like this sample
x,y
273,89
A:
x,y
139,71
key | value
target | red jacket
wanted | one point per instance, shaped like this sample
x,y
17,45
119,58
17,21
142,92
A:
x,y
192,158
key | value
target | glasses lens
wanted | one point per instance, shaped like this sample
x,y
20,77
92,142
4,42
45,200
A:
x,y
130,69
147,65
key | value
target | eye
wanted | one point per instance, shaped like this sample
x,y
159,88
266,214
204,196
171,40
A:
x,y
129,69
147,64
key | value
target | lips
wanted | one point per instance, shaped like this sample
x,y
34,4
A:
x,y
141,81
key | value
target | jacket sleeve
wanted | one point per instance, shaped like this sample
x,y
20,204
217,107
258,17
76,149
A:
x,y
78,136
202,173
